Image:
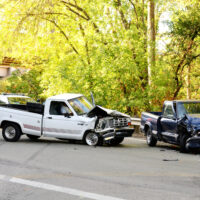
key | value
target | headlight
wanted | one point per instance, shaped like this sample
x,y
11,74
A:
x,y
189,129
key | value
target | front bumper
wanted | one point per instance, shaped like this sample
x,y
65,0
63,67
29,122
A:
x,y
118,133
193,143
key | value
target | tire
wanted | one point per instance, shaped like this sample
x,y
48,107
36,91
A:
x,y
11,132
33,137
115,141
151,140
92,139
183,139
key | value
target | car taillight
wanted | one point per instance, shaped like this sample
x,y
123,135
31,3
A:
x,y
129,123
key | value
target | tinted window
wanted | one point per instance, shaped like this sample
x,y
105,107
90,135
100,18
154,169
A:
x,y
59,108
189,108
81,105
168,111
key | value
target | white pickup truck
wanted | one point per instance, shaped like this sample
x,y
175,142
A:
x,y
65,116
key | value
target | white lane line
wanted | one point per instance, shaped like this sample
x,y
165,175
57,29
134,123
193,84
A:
x,y
55,188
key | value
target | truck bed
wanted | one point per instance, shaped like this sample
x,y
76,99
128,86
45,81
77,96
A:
x,y
29,119
29,107
151,117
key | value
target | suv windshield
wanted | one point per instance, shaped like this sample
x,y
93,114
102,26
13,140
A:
x,y
81,105
19,100
190,108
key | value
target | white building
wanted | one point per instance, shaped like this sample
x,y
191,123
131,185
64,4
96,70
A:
x,y
8,66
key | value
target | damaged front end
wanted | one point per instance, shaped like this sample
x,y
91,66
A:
x,y
193,142
190,128
111,125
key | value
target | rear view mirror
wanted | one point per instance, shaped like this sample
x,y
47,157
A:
x,y
68,115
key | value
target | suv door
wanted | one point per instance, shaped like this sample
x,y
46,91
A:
x,y
59,124
169,123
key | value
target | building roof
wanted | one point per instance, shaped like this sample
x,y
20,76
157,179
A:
x,y
9,61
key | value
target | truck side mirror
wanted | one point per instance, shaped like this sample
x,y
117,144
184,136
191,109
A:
x,y
68,115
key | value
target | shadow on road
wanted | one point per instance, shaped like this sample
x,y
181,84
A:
x,y
168,147
124,145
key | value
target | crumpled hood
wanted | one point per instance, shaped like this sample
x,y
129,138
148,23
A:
x,y
103,112
194,121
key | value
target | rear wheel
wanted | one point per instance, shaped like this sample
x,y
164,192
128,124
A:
x,y
33,137
151,140
11,132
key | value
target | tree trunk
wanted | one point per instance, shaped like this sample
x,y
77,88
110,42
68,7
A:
x,y
188,83
151,38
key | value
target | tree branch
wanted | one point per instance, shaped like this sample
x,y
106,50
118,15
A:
x,y
86,44
63,33
86,15
124,21
78,14
180,65
134,11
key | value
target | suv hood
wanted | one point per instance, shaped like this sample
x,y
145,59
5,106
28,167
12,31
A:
x,y
194,120
104,112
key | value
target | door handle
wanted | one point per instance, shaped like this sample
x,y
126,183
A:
x,y
80,123
49,117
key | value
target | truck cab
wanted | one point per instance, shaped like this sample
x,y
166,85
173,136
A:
x,y
65,116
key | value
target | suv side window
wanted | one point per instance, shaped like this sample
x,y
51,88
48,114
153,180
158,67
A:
x,y
168,111
59,108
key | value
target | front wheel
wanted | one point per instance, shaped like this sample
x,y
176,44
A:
x,y
11,132
183,139
92,139
151,140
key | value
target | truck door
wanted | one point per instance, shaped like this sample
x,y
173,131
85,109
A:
x,y
169,123
59,125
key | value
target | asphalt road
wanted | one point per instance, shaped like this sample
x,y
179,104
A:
x,y
51,169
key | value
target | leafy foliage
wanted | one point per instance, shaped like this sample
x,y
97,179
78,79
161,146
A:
x,y
100,46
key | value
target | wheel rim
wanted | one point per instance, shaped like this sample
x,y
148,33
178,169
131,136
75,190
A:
x,y
10,132
92,139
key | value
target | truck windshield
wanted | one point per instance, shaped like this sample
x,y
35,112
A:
x,y
81,105
20,100
190,108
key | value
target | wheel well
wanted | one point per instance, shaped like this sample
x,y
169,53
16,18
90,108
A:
x,y
146,129
10,122
86,132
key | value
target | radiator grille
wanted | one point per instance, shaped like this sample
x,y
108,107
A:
x,y
120,122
